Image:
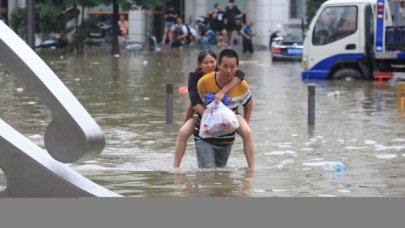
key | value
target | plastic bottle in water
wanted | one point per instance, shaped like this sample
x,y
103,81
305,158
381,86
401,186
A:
x,y
334,94
337,167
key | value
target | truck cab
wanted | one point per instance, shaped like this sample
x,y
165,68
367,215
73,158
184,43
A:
x,y
348,39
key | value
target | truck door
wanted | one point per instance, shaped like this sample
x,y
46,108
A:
x,y
336,36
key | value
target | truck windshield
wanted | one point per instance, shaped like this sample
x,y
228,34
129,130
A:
x,y
335,23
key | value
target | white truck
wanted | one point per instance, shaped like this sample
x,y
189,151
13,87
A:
x,y
358,39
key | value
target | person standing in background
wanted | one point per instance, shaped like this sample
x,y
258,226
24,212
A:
x,y
247,34
170,19
206,37
231,13
123,27
178,33
238,28
218,25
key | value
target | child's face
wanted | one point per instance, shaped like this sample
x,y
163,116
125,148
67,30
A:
x,y
208,64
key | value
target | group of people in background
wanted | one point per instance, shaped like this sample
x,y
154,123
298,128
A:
x,y
224,28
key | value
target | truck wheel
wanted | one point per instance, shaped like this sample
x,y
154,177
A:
x,y
347,74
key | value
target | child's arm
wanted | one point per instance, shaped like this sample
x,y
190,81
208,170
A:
x,y
240,75
192,89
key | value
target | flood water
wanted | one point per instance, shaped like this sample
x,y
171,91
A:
x,y
358,123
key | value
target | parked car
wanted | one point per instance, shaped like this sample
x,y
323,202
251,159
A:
x,y
52,42
2,19
287,44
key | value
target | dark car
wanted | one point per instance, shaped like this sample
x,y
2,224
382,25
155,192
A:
x,y
287,45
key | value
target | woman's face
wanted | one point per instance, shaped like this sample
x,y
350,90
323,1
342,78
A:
x,y
208,64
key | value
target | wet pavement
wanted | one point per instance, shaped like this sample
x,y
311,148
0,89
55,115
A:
x,y
358,123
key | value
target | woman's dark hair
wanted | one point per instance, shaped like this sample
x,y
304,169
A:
x,y
202,56
228,53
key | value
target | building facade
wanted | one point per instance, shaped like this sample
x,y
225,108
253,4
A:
x,y
268,15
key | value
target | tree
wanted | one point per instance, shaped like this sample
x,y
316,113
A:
x,y
17,19
81,31
47,14
312,7
127,5
50,11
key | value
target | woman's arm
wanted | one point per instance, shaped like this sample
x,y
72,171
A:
x,y
196,101
195,98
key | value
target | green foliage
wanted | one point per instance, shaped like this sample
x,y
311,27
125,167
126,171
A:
x,y
71,14
85,3
144,4
18,17
132,4
80,36
311,7
127,5
47,15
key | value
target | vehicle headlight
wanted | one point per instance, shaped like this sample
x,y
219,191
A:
x,y
304,62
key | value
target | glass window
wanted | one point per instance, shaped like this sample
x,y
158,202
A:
x,y
335,23
296,9
293,9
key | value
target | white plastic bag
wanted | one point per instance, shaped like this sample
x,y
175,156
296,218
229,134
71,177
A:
x,y
218,120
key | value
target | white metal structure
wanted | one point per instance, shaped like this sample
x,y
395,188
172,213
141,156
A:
x,y
72,134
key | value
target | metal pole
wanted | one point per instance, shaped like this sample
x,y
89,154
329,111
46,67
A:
x,y
401,95
169,103
311,104
31,23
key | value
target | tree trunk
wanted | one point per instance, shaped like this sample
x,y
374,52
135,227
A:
x,y
82,25
30,23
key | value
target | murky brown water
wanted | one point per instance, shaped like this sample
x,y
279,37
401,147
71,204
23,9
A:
x,y
361,127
